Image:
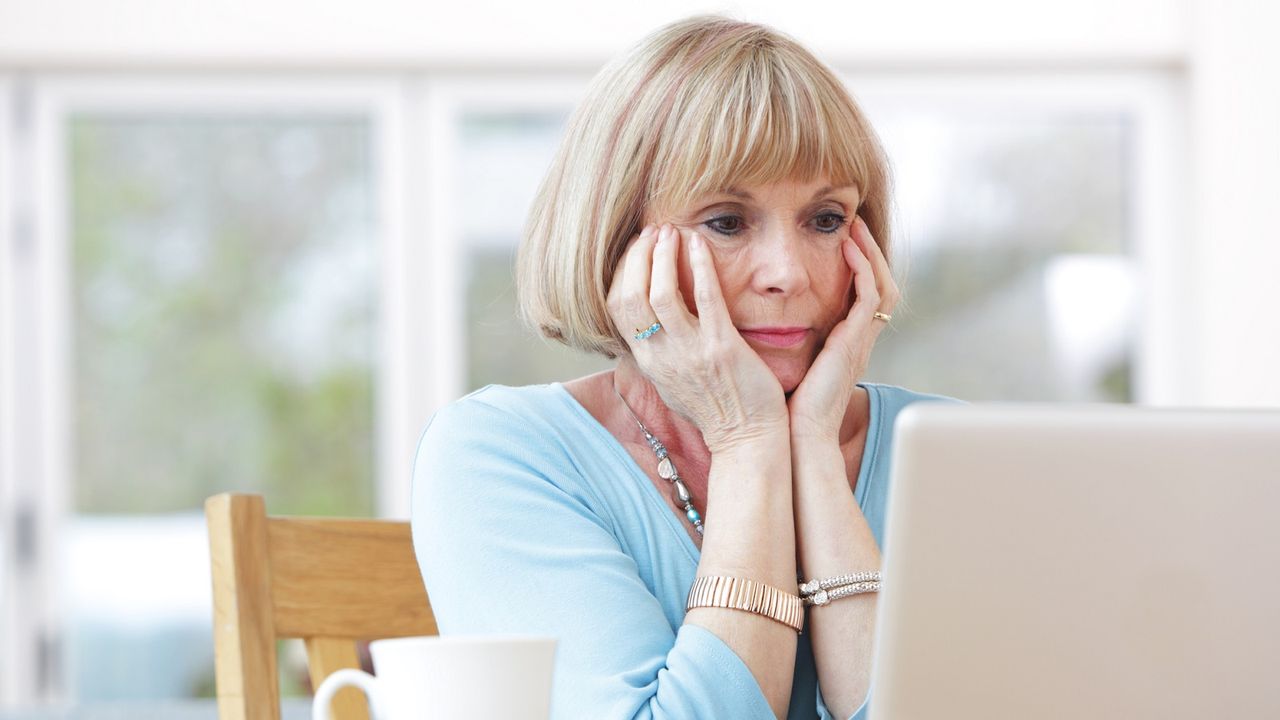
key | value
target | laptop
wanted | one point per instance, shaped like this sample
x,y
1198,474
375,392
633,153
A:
x,y
1058,561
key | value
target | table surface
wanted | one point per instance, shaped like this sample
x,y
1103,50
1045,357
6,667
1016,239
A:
x,y
290,709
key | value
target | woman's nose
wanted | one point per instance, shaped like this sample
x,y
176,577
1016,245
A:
x,y
779,266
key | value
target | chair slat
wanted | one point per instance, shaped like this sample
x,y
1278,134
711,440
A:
x,y
346,578
326,656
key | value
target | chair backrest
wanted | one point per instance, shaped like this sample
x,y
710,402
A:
x,y
328,581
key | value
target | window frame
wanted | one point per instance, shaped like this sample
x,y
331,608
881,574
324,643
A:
x,y
14,677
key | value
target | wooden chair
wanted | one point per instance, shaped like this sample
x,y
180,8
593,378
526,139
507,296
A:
x,y
328,581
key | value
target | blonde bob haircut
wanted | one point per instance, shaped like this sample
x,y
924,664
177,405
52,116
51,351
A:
x,y
701,105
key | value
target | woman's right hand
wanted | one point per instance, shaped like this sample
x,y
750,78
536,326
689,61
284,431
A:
x,y
699,364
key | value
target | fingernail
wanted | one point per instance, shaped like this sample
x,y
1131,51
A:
x,y
666,232
695,240
648,230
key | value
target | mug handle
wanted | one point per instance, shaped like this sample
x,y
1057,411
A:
x,y
367,683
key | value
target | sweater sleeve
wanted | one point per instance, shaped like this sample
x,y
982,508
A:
x,y
859,714
509,542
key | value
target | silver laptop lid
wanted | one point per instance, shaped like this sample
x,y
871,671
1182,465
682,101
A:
x,y
1081,561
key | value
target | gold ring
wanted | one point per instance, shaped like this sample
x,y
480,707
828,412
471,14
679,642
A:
x,y
882,316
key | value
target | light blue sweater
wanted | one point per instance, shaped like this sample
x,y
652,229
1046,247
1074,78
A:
x,y
530,518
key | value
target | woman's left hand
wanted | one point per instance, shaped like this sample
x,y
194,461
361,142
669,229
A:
x,y
817,407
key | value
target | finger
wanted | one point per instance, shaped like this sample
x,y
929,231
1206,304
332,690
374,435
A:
x,y
713,315
885,283
628,298
664,285
867,296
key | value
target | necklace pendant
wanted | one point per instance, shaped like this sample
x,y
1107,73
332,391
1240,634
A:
x,y
682,495
666,470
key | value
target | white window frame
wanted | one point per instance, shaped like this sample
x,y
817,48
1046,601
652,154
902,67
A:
x,y
29,657
15,677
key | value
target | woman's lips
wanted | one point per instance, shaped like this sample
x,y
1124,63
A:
x,y
776,336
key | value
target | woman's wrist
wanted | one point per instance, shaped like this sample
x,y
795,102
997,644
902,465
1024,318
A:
x,y
751,482
814,446
750,440
808,431
818,472
760,459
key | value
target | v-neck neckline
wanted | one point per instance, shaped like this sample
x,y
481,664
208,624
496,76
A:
x,y
869,454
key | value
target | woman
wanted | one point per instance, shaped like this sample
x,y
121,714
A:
x,y
716,220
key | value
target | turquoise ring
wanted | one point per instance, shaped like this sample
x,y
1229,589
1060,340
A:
x,y
648,332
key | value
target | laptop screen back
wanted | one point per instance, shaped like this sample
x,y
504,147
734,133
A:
x,y
1080,561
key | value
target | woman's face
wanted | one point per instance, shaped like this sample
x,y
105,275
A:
x,y
777,253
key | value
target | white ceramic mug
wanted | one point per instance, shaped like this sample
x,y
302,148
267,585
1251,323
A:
x,y
447,678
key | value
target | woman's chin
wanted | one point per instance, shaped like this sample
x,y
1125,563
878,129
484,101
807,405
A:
x,y
788,371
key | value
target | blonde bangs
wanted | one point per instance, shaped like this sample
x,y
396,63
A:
x,y
751,119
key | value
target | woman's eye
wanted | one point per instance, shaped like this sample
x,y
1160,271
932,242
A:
x,y
725,224
829,222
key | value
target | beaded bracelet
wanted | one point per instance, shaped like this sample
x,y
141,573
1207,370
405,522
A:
x,y
822,592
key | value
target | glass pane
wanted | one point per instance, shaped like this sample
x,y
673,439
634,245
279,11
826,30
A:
x,y
1011,254
502,159
224,308
224,312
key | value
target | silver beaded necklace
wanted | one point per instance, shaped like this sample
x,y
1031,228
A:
x,y
667,469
